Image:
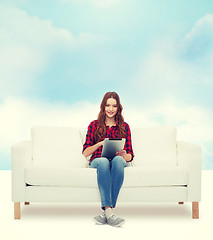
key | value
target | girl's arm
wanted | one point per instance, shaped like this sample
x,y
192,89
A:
x,y
128,155
90,150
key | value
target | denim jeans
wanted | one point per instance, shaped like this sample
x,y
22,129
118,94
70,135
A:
x,y
110,176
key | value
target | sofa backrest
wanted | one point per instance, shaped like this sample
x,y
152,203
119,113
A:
x,y
154,146
62,146
57,147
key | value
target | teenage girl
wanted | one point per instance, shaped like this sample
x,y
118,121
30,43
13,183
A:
x,y
110,174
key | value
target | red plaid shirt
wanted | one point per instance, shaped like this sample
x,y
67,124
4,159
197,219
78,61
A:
x,y
110,133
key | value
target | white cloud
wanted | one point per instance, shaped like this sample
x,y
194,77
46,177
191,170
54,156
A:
x,y
159,67
18,66
27,46
198,42
193,123
161,72
172,65
17,116
18,28
203,26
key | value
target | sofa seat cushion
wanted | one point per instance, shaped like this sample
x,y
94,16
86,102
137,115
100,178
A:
x,y
72,177
155,176
87,177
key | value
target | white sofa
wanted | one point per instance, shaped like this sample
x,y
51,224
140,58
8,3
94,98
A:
x,y
51,168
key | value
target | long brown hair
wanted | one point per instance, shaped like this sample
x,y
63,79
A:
x,y
101,130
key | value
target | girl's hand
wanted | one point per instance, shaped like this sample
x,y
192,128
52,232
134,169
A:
x,y
122,153
90,150
125,155
101,143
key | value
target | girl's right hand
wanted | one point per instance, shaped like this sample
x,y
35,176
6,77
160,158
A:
x,y
90,150
101,143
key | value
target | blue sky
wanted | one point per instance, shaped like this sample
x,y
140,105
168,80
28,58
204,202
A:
x,y
59,57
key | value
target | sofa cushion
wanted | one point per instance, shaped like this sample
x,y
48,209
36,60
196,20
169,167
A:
x,y
83,133
72,177
154,146
155,176
87,177
57,147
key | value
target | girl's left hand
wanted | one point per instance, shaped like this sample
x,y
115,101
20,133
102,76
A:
x,y
121,153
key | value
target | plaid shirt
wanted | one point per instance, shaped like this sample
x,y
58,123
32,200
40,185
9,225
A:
x,y
110,133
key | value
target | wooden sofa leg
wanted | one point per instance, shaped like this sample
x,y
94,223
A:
x,y
181,202
27,203
17,214
195,210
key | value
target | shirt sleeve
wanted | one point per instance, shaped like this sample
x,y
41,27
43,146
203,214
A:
x,y
128,144
90,136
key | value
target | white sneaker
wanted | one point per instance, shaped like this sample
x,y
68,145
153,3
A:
x,y
115,221
100,219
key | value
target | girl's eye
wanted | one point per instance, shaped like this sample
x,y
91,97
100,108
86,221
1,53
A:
x,y
107,105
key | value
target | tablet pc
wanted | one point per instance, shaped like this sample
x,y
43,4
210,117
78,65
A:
x,y
111,146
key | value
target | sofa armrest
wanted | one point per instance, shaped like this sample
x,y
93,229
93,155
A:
x,y
189,157
21,158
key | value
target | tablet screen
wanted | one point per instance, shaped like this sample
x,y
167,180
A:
x,y
111,146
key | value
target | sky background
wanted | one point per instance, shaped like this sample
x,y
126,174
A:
x,y
58,58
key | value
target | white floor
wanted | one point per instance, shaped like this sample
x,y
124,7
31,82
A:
x,y
143,221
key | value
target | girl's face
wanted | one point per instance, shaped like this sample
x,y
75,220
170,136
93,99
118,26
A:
x,y
111,108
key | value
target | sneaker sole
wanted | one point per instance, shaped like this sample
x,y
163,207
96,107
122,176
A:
x,y
118,225
99,223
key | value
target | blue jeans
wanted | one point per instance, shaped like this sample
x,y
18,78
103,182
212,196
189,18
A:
x,y
110,176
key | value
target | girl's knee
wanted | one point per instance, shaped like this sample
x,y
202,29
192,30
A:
x,y
119,161
99,162
103,162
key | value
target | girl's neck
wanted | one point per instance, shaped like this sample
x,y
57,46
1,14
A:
x,y
110,122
